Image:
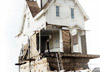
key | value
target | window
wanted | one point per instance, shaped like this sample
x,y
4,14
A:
x,y
72,13
83,44
75,39
57,11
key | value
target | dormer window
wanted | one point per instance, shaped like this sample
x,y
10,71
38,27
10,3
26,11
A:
x,y
72,13
57,11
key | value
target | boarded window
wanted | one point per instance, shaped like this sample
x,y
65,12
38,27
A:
x,y
75,39
57,11
72,13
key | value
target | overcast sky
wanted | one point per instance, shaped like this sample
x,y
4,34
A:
x,y
10,21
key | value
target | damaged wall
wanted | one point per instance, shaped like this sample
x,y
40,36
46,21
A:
x,y
34,53
36,66
66,41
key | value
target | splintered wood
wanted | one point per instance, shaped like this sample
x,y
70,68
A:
x,y
37,66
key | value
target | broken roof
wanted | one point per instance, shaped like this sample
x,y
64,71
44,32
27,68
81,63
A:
x,y
34,8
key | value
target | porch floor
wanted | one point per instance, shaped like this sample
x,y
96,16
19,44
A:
x,y
74,55
69,61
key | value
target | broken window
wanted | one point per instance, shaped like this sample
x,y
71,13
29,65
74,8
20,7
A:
x,y
75,39
76,43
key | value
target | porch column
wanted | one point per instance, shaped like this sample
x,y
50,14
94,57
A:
x,y
40,41
60,40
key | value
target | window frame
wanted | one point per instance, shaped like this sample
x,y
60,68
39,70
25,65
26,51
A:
x,y
72,13
57,11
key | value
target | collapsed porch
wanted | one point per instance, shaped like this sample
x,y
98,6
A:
x,y
53,40
60,39
48,41
67,62
70,62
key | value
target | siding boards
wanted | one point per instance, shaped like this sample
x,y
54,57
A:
x,y
66,41
83,43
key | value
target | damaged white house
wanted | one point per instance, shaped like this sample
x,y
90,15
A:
x,y
55,35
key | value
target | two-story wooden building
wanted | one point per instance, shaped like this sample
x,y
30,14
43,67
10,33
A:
x,y
55,35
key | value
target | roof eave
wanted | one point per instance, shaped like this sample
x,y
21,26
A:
x,y
86,17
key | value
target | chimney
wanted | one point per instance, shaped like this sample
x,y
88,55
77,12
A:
x,y
41,4
49,0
